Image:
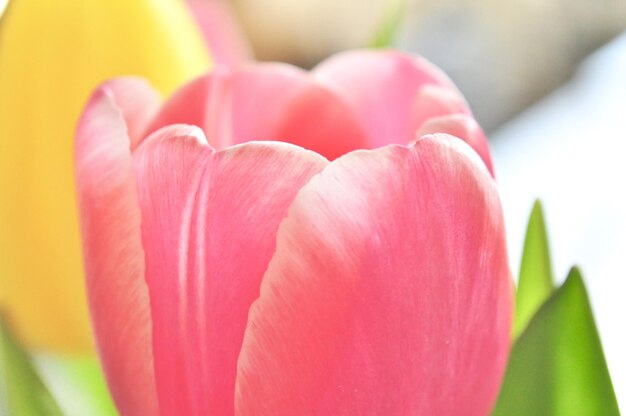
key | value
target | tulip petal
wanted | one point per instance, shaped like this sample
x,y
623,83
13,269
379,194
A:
x,y
138,101
437,101
315,119
113,255
209,230
186,106
246,104
381,87
266,102
389,292
464,127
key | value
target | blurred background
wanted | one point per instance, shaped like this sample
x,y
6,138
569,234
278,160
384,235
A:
x,y
545,78
503,55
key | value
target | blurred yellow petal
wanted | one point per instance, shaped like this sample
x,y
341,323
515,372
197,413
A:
x,y
52,55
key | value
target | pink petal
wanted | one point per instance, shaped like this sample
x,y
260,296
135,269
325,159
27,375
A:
x,y
251,101
113,255
389,292
436,101
266,102
209,230
315,119
139,103
222,32
464,127
185,106
381,87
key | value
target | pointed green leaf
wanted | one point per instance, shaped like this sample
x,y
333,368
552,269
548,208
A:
x,y
557,366
22,393
535,283
78,384
385,35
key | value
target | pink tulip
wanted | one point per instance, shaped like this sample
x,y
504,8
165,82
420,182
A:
x,y
264,278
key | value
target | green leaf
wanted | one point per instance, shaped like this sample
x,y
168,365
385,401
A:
x,y
385,35
78,384
557,366
22,393
535,283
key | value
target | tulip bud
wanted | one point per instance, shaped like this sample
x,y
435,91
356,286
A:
x,y
52,55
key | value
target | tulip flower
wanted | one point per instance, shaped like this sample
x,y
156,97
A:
x,y
296,275
52,55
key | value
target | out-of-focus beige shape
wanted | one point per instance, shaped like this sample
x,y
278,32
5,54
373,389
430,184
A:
x,y
306,31
506,54
503,54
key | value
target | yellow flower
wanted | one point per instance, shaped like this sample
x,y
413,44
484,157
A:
x,y
52,54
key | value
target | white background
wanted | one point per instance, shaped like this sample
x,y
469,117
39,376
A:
x,y
569,150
